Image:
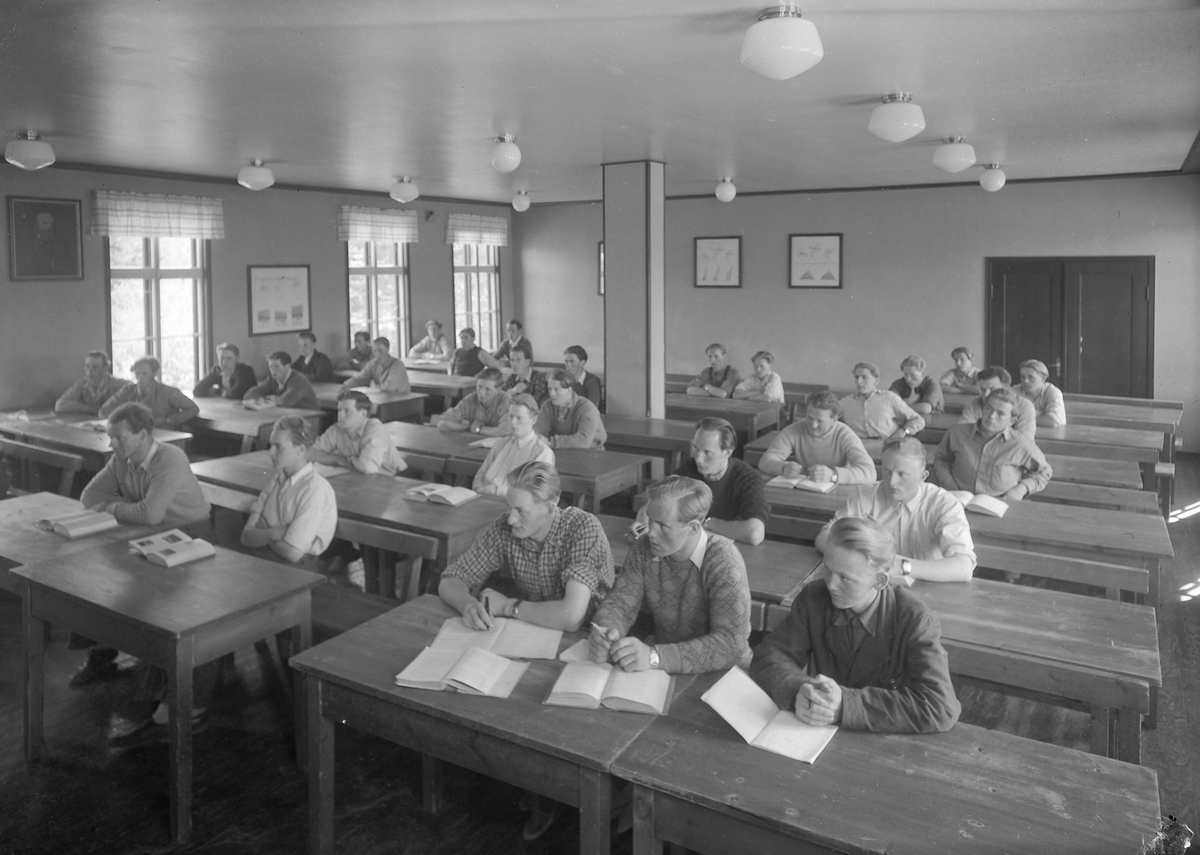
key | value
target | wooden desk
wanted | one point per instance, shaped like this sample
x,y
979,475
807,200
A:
x,y
223,416
1070,397
1079,440
450,387
700,785
64,434
434,366
670,439
385,406
749,418
555,751
176,618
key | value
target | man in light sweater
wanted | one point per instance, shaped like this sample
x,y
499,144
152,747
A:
x,y
170,407
569,420
824,448
96,387
384,370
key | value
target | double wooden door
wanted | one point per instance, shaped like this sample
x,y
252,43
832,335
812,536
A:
x,y
1091,320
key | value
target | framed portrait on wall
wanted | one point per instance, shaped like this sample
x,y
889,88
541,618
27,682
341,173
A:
x,y
279,298
816,261
45,239
718,262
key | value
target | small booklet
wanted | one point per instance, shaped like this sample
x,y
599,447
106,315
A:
x,y
486,442
78,523
442,494
590,685
751,712
328,470
801,484
257,404
473,672
172,548
980,504
97,425
514,639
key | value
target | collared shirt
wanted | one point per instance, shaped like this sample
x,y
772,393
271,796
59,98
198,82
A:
x,y
471,409
390,377
861,625
305,504
536,384
956,379
171,408
727,379
85,397
587,386
929,526
370,450
160,489
295,391
505,456
316,367
839,449
879,415
432,348
577,425
966,460
575,549
1047,401
771,386
1024,416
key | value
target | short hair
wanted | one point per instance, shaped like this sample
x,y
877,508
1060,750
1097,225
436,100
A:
x,y
826,401
364,335
432,322
280,356
467,331
867,366
489,373
514,322
764,355
299,429
866,537
1038,366
149,361
692,498
726,436
307,336
995,372
910,446
1006,394
913,362
100,354
382,340
577,351
137,416
521,348
719,348
232,348
538,479
361,401
563,376
965,351
527,401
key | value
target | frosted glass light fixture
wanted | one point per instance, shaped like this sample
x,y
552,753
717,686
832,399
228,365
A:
x,y
993,178
954,155
256,176
29,151
897,119
725,190
520,202
781,44
506,156
404,190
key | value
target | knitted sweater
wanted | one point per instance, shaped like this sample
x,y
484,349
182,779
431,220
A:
x,y
160,490
840,449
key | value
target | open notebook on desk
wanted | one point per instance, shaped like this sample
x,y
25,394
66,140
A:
x,y
515,639
751,712
474,672
590,685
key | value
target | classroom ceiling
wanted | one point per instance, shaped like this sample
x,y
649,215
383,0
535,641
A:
x,y
352,94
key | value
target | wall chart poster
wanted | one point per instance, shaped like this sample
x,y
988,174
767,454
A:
x,y
718,262
816,261
279,298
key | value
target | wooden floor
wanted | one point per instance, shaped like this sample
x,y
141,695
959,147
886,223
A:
x,y
249,798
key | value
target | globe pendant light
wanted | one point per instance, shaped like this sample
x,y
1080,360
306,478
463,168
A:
x,y
954,155
404,190
725,190
781,44
505,155
28,151
520,202
256,176
993,178
897,119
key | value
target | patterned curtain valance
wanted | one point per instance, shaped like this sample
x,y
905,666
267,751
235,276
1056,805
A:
x,y
474,228
376,224
120,214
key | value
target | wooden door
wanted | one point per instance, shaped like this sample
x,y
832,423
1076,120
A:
x,y
1025,313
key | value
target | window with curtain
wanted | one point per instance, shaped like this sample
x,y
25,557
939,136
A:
x,y
476,241
157,250
377,263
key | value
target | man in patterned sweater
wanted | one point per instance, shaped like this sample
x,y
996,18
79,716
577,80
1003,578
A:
x,y
691,582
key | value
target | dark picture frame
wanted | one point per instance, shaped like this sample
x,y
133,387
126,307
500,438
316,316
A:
x,y
815,261
718,262
279,298
45,239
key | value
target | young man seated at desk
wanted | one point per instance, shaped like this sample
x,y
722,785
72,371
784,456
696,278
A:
x,y
357,441
874,413
524,378
855,651
516,337
928,526
738,507
384,370
522,446
584,384
171,408
311,362
568,420
916,388
468,359
284,387
989,457
718,380
691,584
963,376
434,345
763,384
229,378
360,354
989,380
97,386
824,448
1047,399
484,411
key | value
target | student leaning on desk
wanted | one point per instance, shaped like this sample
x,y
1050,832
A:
x,y
763,384
875,413
96,387
228,378
357,441
718,380
171,408
823,448
484,411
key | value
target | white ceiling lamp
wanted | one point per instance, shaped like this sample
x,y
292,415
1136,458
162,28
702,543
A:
x,y
993,178
256,176
29,151
897,119
520,202
781,44
404,190
505,155
725,190
954,155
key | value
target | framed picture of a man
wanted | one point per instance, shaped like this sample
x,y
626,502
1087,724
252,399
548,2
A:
x,y
45,239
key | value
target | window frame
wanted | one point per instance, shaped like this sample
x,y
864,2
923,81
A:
x,y
473,315
403,273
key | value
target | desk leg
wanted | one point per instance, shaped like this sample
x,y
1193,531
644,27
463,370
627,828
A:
x,y
34,676
1129,737
301,640
433,780
1099,740
320,771
595,812
644,841
370,560
179,741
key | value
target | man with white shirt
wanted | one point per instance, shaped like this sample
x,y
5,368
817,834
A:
x,y
875,413
383,371
989,380
357,441
171,408
434,345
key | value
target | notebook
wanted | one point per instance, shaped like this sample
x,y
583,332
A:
x,y
515,639
979,503
78,523
442,494
473,672
172,548
590,685
801,484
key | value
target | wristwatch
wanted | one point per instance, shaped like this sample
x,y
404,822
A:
x,y
905,567
654,659
834,478
475,429
516,610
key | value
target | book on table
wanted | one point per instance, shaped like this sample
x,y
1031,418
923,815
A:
x,y
590,685
328,470
751,712
514,639
78,523
474,672
257,404
172,548
486,442
979,503
442,494
801,483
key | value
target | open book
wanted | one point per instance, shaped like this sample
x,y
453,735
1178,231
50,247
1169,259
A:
x,y
590,685
172,548
801,484
979,503
257,404
751,712
442,494
328,470
97,425
475,672
515,639
486,442
78,523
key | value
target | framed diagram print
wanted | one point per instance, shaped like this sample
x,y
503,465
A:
x,y
718,262
816,261
279,298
